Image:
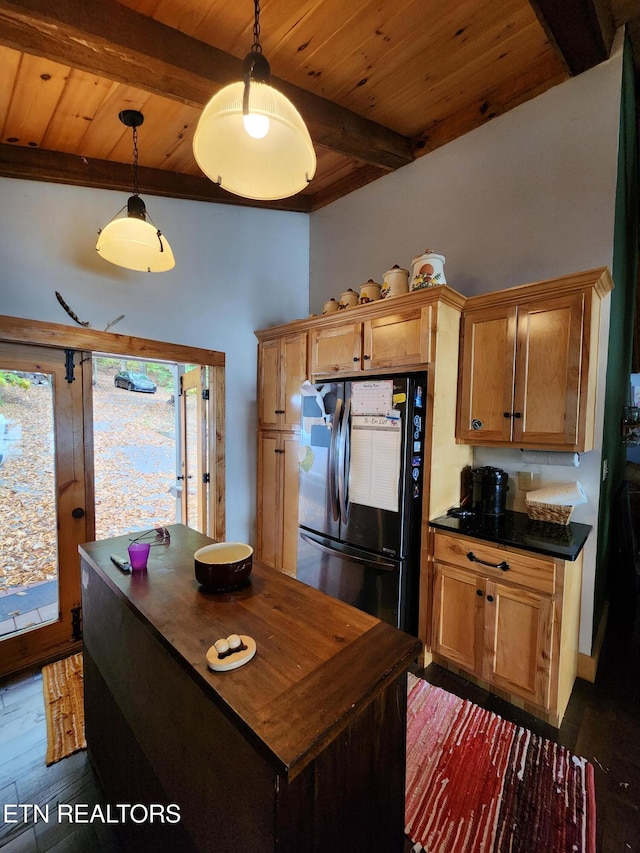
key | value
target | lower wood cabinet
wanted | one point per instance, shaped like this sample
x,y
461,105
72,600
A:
x,y
509,618
277,511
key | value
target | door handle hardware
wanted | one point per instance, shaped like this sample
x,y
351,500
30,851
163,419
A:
x,y
517,414
378,564
501,565
279,412
366,357
355,358
507,414
277,450
489,598
479,593
78,512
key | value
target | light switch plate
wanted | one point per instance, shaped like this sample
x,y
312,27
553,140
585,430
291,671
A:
x,y
525,481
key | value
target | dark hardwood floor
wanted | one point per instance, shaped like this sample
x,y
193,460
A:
x,y
602,723
26,780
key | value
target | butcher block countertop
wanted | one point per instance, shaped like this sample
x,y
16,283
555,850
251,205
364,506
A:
x,y
318,663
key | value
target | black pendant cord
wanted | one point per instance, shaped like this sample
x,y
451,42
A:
x,y
136,191
256,47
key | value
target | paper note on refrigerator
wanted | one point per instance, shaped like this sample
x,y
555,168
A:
x,y
371,397
374,471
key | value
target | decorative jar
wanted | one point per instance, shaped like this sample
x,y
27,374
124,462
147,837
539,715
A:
x,y
427,270
330,306
369,291
348,298
395,283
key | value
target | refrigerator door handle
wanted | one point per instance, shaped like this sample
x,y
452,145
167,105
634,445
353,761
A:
x,y
379,564
343,463
333,461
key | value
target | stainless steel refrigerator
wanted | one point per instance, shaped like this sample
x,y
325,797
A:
x,y
361,474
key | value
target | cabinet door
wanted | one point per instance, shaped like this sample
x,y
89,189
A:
x,y
269,403
548,371
267,521
486,388
458,616
336,349
282,368
292,375
518,641
288,504
398,340
277,507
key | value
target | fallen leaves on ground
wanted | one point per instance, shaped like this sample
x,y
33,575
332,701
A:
x,y
135,459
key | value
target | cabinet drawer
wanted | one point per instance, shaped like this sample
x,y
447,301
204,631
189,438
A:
x,y
534,572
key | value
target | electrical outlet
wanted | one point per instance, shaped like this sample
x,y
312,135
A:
x,y
525,481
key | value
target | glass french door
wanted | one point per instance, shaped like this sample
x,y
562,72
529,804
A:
x,y
195,474
42,503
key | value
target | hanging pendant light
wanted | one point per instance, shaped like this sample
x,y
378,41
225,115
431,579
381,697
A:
x,y
250,139
132,240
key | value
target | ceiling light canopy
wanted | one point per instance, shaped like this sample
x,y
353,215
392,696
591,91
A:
x,y
250,139
131,239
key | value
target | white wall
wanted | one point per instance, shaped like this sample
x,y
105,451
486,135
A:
x,y
237,270
530,195
526,197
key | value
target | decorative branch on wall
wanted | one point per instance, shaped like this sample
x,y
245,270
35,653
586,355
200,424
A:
x,y
113,322
84,323
70,312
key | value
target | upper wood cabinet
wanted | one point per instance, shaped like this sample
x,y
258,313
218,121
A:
x,y
282,368
529,364
397,339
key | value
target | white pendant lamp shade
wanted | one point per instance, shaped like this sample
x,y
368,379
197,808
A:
x,y
277,165
134,243
131,239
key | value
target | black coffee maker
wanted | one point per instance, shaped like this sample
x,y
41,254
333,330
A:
x,y
489,490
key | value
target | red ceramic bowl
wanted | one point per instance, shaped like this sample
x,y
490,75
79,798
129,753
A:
x,y
223,566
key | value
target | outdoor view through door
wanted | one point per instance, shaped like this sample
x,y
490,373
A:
x,y
149,429
150,469
42,501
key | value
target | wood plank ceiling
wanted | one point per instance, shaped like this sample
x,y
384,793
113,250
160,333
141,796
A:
x,y
378,83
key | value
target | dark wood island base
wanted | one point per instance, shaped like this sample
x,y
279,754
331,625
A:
x,y
303,748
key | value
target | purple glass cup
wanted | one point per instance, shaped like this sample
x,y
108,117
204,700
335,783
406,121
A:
x,y
138,555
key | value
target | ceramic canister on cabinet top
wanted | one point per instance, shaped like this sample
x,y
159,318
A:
x,y
395,283
330,306
427,270
369,291
348,298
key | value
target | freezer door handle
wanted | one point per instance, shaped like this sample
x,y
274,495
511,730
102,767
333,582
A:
x,y
333,461
375,561
343,463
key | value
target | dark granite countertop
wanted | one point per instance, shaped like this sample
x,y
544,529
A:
x,y
519,531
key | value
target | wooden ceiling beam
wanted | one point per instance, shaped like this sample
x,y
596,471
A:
x,y
37,164
106,38
582,31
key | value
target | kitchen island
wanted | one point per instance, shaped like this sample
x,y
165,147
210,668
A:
x,y
302,748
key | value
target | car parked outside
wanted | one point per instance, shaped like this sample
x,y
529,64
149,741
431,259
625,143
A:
x,y
134,381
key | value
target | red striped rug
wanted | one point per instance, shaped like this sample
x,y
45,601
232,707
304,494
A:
x,y
479,784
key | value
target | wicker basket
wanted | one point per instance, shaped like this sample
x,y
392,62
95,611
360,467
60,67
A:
x,y
554,513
